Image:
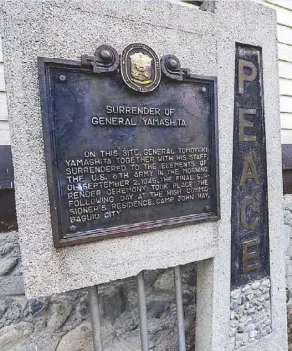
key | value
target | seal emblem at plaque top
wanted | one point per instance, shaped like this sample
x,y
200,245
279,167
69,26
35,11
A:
x,y
140,68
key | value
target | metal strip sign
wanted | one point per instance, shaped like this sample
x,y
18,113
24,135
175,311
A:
x,y
250,266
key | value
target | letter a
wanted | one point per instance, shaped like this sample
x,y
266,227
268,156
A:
x,y
249,169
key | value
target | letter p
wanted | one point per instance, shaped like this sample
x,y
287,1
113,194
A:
x,y
242,76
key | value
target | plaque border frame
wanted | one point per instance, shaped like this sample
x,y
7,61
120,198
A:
x,y
211,214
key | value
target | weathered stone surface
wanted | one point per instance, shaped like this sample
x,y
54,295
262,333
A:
x,y
15,312
6,248
77,339
250,319
113,303
11,285
62,322
11,281
130,341
165,282
13,334
7,264
82,308
156,308
59,314
37,306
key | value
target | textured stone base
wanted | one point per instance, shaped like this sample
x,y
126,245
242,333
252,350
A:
x,y
62,322
250,313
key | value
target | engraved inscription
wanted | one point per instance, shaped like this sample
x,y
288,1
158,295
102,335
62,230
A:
x,y
106,183
249,220
250,256
125,116
247,72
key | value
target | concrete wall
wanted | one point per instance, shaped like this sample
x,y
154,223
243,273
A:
x,y
54,323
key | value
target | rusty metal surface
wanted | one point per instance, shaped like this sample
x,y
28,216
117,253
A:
x,y
143,177
249,222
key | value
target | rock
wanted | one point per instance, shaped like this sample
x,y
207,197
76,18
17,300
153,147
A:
x,y
253,333
240,328
243,319
163,339
188,297
59,313
239,337
7,264
6,249
156,308
240,310
150,277
255,285
249,328
39,342
268,322
287,203
245,288
267,296
189,275
165,282
261,298
266,282
248,321
82,308
246,305
245,337
36,306
113,303
238,345
288,218
235,294
258,326
266,290
125,342
233,305
15,312
126,322
3,308
78,339
13,334
249,297
234,323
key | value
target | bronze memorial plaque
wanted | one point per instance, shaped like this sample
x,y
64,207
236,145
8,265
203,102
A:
x,y
130,144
